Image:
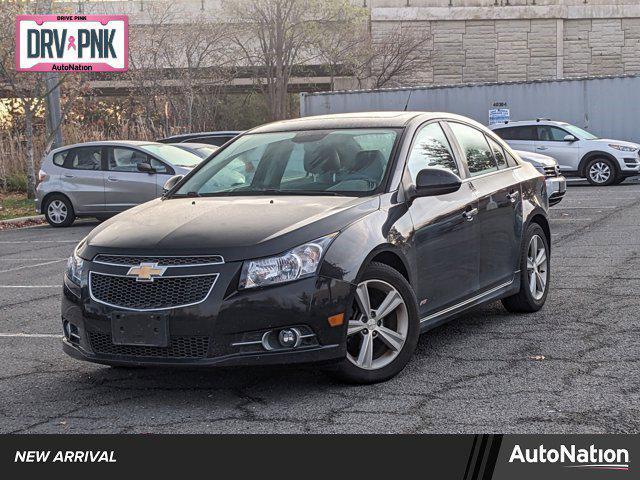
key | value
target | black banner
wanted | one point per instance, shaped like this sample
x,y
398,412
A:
x,y
456,457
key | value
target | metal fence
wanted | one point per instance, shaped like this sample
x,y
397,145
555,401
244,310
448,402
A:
x,y
606,106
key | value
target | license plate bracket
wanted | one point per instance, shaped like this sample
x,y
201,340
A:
x,y
142,329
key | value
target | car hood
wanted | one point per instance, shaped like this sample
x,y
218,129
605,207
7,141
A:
x,y
617,142
537,159
235,227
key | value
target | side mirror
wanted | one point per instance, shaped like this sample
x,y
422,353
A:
x,y
146,167
169,184
435,181
570,138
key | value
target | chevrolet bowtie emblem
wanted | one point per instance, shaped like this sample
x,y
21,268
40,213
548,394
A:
x,y
146,272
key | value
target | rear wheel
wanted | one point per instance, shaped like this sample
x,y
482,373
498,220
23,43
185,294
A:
x,y
383,327
601,172
58,211
534,273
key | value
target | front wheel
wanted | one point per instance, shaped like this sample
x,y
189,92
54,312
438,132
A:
x,y
601,172
534,273
383,327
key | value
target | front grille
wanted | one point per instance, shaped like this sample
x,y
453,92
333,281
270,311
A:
x,y
179,347
162,293
162,261
551,171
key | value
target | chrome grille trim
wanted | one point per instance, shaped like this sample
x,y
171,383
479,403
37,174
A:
x,y
93,297
128,260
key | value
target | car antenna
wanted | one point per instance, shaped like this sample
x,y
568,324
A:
x,y
408,99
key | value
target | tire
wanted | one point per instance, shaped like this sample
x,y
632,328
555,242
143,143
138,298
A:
x,y
601,172
619,180
526,301
399,327
58,211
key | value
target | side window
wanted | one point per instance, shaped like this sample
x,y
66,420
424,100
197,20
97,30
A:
x,y
431,149
547,133
159,166
476,149
84,158
498,153
511,161
59,158
517,133
125,159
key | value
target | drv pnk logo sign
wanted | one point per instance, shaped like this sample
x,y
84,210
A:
x,y
68,43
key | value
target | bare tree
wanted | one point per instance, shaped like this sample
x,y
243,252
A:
x,y
391,57
277,36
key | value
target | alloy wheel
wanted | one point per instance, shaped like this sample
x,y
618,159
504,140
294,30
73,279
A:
x,y
537,267
57,211
378,328
600,172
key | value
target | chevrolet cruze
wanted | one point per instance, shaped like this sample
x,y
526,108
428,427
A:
x,y
334,239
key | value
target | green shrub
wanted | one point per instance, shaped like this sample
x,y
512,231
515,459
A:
x,y
17,182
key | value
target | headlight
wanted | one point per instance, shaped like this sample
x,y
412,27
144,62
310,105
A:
x,y
74,268
299,262
622,148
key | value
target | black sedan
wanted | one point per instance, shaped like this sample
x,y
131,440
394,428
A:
x,y
334,239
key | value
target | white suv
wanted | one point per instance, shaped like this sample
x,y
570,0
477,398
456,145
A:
x,y
579,153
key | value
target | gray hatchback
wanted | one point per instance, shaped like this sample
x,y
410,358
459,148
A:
x,y
101,179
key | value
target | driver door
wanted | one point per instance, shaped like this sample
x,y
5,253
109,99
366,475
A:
x,y
445,239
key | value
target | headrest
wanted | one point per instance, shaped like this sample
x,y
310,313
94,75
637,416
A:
x,y
370,163
324,159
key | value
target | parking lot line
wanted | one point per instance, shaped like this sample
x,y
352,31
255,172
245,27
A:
x,y
37,241
571,219
608,207
30,266
30,335
31,286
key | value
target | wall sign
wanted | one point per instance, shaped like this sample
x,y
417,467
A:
x,y
72,43
499,115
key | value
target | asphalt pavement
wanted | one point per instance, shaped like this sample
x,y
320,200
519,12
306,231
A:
x,y
572,367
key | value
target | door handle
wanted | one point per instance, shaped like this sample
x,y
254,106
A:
x,y
112,179
470,214
68,175
513,196
542,148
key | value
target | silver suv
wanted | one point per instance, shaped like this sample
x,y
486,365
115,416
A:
x,y
100,179
578,153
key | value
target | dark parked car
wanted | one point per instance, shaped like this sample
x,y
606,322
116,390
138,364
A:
x,y
334,239
203,150
210,138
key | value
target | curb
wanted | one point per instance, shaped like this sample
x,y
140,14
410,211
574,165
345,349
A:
x,y
12,221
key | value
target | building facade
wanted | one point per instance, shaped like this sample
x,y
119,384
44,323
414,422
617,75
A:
x,y
515,40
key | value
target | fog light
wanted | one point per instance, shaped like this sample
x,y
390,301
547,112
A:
x,y
66,329
288,338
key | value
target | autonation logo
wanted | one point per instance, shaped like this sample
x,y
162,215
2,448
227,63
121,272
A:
x,y
573,457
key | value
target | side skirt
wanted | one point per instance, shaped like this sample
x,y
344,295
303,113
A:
x,y
436,319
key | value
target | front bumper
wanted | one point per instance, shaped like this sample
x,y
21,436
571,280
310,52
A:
x,y
556,189
228,328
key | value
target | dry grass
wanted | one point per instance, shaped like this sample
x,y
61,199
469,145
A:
x,y
15,205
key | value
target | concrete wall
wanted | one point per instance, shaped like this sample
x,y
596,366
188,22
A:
x,y
608,107
478,41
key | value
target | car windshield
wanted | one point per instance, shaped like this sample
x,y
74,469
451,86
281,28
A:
x,y
580,133
313,162
174,155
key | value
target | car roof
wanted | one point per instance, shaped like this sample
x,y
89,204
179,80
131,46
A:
x,y
385,119
222,133
527,123
117,143
193,145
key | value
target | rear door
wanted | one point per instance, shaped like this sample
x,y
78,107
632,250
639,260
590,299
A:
x,y
518,137
499,205
551,142
82,179
125,186
445,239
